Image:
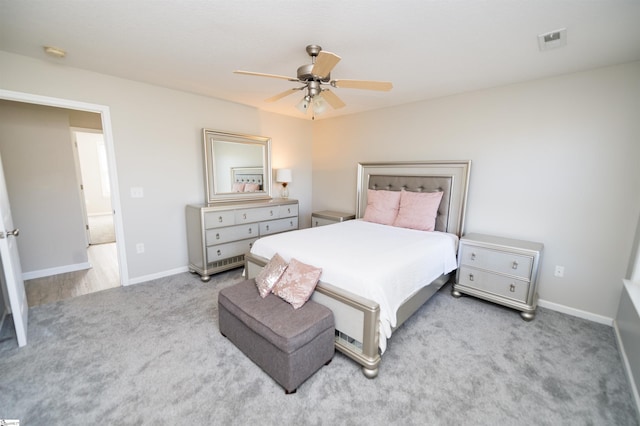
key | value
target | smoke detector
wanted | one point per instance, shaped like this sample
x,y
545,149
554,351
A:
x,y
54,52
552,39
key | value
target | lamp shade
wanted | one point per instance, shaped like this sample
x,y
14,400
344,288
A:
x,y
283,175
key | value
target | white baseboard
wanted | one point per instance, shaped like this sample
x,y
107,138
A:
x,y
55,271
162,274
576,312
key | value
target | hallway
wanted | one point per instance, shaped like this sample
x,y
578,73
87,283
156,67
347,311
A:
x,y
104,274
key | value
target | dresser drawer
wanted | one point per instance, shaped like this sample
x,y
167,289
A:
x,y
219,219
257,214
231,233
280,225
289,210
500,285
496,261
224,251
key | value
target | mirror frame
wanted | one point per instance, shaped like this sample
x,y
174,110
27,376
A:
x,y
212,194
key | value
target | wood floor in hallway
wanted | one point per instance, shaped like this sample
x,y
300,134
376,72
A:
x,y
103,274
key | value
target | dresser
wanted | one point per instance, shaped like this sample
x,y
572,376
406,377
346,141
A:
x,y
327,217
219,235
500,270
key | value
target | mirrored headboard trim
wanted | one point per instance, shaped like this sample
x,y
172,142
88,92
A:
x,y
214,192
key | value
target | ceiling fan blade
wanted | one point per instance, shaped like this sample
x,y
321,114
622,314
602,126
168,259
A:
x,y
332,99
325,61
260,74
383,86
283,94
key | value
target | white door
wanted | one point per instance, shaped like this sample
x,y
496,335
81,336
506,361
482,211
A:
x,y
11,265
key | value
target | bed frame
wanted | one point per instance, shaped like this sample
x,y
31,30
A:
x,y
357,319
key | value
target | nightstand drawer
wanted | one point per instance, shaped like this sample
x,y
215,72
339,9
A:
x,y
500,285
496,261
319,221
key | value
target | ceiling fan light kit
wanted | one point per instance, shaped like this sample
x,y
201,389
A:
x,y
316,74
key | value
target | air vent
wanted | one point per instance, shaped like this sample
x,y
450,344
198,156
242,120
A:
x,y
552,39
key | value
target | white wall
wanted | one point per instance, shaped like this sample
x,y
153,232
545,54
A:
x,y
37,155
553,160
157,135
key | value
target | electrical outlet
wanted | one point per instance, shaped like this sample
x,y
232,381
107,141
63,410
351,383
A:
x,y
559,272
140,248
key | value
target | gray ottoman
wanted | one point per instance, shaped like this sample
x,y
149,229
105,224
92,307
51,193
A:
x,y
288,344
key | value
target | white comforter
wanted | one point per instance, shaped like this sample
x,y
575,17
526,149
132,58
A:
x,y
382,263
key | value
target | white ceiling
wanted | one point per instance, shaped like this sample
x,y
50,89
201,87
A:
x,y
427,48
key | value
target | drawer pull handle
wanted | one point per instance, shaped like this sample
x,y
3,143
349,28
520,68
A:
x,y
250,230
217,236
316,223
515,265
512,288
292,224
220,219
470,277
250,245
244,216
289,210
219,252
271,212
267,227
473,256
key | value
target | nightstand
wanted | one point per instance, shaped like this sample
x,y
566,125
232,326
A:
x,y
500,270
327,217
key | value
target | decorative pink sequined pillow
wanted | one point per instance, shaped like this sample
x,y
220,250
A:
x,y
270,274
251,187
238,187
382,206
418,210
297,283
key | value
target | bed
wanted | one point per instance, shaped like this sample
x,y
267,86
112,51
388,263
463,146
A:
x,y
366,315
247,179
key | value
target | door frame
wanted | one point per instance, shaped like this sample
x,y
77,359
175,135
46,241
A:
x,y
107,132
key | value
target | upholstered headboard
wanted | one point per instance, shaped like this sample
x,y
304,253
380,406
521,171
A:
x,y
248,175
248,178
450,177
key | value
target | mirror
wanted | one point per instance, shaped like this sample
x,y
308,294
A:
x,y
237,166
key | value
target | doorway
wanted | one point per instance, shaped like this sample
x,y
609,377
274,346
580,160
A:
x,y
91,157
115,257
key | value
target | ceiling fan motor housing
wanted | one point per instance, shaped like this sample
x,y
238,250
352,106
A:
x,y
305,74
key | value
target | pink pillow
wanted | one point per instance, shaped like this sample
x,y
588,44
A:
x,y
382,206
270,274
297,283
418,210
238,187
251,187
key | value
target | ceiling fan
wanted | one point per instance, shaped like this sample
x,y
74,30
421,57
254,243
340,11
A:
x,y
315,77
